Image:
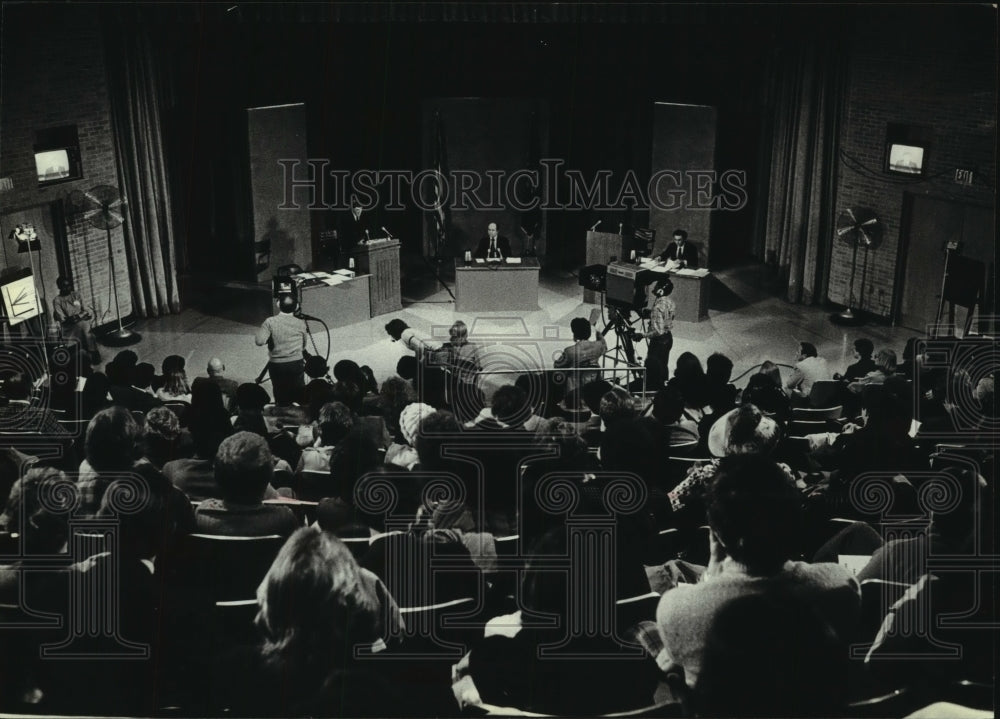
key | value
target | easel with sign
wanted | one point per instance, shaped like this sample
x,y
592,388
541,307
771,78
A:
x,y
962,285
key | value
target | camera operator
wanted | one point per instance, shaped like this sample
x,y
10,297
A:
x,y
659,337
285,337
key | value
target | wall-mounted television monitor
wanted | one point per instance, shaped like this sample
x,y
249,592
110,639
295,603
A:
x,y
905,159
57,156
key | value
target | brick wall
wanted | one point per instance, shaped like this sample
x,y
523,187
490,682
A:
x,y
56,77
930,71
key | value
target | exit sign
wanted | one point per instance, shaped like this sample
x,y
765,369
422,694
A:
x,y
963,177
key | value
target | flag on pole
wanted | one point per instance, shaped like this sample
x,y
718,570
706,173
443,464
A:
x,y
441,214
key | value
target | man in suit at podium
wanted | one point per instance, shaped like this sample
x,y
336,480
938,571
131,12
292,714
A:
x,y
354,226
493,246
681,251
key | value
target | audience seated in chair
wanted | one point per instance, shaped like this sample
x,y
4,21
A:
x,y
318,608
754,513
404,453
771,656
243,469
505,668
119,372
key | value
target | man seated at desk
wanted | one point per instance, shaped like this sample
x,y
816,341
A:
x,y
493,247
680,254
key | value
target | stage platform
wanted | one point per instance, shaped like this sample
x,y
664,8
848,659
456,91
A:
x,y
745,322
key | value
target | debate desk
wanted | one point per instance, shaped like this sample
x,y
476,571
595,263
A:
x,y
339,305
487,286
690,293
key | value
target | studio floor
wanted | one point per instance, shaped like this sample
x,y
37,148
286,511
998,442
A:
x,y
745,321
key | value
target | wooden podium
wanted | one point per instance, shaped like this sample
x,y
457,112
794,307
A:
x,y
601,247
380,259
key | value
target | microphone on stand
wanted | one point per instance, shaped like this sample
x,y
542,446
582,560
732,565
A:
x,y
595,225
620,226
304,316
387,233
367,237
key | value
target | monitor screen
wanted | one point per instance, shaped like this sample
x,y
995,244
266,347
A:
x,y
52,165
906,158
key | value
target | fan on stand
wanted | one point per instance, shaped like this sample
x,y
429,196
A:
x,y
861,228
103,207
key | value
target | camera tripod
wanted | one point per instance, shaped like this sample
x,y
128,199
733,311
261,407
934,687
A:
x,y
623,352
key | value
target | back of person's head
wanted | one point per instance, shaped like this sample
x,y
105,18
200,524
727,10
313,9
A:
x,y
111,444
864,347
406,367
688,367
356,455
251,397
17,386
287,304
117,374
243,468
160,434
593,392
348,371
808,349
315,606
770,399
668,405
719,368
176,383
459,332
581,328
335,421
143,374
770,370
562,434
127,359
395,394
348,393
172,363
885,360
215,367
510,405
435,430
755,509
316,367
663,287
42,529
395,328
744,430
617,405
142,528
909,349
769,656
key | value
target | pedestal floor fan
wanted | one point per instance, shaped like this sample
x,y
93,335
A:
x,y
103,207
862,229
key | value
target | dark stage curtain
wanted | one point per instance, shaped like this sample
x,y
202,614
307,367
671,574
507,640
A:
x,y
799,149
137,93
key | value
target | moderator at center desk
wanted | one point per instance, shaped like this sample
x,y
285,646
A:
x,y
486,286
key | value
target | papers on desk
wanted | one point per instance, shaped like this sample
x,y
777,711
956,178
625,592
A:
x,y
701,272
333,280
480,261
513,260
